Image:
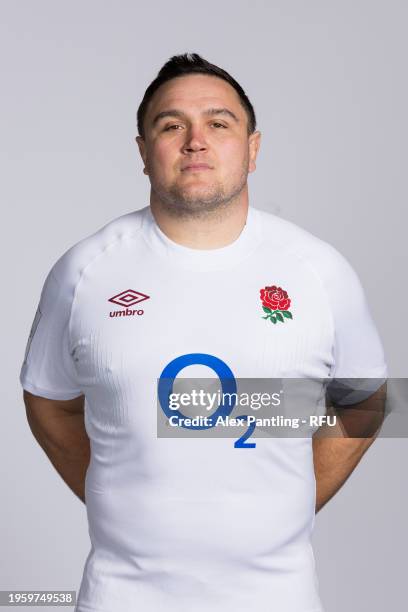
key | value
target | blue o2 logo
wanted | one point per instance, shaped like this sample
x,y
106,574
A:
x,y
228,384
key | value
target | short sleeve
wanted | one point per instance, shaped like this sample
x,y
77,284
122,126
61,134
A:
x,y
359,361
48,369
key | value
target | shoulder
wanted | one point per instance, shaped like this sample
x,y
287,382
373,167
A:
x,y
70,266
322,258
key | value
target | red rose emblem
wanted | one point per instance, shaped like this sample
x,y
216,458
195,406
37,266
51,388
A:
x,y
275,303
275,298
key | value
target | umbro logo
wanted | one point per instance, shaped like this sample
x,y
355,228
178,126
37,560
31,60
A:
x,y
127,298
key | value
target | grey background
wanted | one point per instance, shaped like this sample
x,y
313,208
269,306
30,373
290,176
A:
x,y
328,82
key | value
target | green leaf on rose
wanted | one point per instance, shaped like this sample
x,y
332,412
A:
x,y
287,314
266,309
279,316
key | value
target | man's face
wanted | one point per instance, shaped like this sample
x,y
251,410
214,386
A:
x,y
192,120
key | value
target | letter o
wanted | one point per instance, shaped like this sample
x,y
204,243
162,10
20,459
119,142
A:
x,y
168,375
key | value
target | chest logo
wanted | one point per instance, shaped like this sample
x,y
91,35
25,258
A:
x,y
127,298
275,304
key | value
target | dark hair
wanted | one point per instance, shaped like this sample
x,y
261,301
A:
x,y
192,63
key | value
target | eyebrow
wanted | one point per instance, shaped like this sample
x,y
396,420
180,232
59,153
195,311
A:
x,y
173,112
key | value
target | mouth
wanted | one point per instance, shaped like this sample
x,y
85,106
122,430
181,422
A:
x,y
195,168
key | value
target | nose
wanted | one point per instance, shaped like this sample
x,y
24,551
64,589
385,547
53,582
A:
x,y
194,141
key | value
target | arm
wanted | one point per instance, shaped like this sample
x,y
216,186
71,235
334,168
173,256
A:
x,y
58,426
337,451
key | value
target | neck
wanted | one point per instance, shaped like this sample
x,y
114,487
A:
x,y
210,230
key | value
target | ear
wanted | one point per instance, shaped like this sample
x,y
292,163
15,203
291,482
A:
x,y
254,142
142,150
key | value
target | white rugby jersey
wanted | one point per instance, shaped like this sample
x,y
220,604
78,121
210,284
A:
x,y
193,524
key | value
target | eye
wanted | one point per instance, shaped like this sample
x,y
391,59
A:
x,y
220,124
169,127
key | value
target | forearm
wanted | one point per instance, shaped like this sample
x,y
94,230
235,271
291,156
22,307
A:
x,y
334,460
67,446
337,450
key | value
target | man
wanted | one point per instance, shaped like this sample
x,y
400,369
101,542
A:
x,y
198,279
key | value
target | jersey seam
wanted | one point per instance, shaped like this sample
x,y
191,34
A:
x,y
304,259
99,254
27,382
222,267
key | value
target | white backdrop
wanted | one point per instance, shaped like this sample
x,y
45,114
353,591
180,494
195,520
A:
x,y
327,80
